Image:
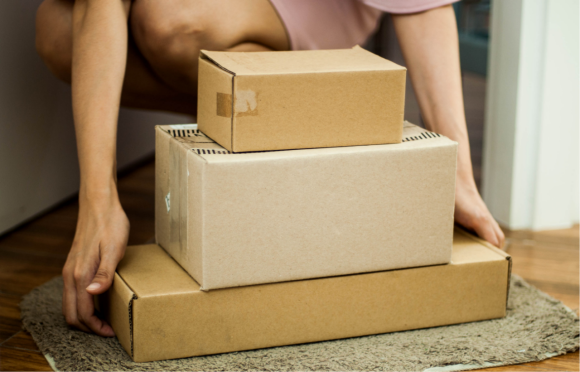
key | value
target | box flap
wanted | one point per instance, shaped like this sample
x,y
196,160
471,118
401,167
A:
x,y
310,61
192,138
149,272
466,249
214,101
464,253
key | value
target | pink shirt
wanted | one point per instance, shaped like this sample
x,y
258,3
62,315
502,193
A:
x,y
337,24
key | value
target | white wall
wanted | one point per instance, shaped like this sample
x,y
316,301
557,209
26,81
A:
x,y
530,167
38,161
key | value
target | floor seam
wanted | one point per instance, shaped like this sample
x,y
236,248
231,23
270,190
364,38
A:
x,y
8,339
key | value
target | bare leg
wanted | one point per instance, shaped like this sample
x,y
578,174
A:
x,y
164,44
141,87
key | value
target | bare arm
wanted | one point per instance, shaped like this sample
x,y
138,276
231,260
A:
x,y
430,46
100,39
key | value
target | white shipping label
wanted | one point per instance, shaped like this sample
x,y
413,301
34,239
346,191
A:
x,y
168,201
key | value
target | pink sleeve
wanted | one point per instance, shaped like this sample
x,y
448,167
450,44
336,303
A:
x,y
406,6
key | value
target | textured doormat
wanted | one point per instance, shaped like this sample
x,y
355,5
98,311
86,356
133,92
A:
x,y
537,327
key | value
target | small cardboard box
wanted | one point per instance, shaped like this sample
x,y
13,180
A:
x,y
241,219
263,101
158,311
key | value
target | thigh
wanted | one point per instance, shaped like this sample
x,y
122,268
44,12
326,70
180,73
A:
x,y
141,87
54,36
215,24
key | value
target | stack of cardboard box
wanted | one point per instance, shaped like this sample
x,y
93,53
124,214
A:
x,y
302,209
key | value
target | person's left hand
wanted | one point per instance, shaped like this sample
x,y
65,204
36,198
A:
x,y
472,213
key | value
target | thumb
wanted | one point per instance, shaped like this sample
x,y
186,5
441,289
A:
x,y
103,278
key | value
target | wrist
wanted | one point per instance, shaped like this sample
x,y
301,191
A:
x,y
98,190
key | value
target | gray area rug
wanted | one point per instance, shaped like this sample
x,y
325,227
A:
x,y
537,327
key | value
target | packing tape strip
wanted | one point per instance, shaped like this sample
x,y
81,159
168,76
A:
x,y
224,105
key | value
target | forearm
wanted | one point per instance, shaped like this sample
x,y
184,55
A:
x,y
430,46
99,57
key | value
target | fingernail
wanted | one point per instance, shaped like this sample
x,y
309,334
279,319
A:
x,y
93,287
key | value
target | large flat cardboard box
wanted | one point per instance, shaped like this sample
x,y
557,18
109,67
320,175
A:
x,y
263,101
242,219
159,312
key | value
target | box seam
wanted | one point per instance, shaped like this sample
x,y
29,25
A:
x,y
509,259
488,245
233,114
306,73
202,207
205,56
130,310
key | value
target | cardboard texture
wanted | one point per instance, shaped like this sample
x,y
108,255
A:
x,y
263,101
242,219
159,312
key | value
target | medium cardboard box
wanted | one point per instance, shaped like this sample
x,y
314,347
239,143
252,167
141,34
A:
x,y
242,219
263,101
158,311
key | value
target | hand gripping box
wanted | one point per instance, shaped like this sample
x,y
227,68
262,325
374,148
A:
x,y
241,219
158,311
263,101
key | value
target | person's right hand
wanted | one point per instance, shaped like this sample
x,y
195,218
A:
x,y
98,246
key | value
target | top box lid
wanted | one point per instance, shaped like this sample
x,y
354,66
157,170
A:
x,y
299,62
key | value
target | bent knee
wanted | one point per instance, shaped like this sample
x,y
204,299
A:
x,y
167,37
54,40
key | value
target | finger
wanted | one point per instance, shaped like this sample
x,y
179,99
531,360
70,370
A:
x,y
500,235
69,305
86,313
496,231
105,273
486,231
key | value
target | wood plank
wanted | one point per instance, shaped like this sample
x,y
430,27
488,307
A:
x,y
22,360
22,341
9,316
22,272
551,265
564,236
566,362
518,367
